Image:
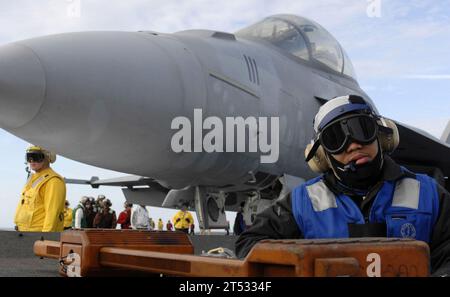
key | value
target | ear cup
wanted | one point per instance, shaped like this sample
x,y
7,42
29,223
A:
x,y
51,156
388,141
319,162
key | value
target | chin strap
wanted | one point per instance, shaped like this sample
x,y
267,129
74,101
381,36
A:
x,y
27,169
349,167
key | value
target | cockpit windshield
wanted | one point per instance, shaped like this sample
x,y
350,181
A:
x,y
281,34
302,38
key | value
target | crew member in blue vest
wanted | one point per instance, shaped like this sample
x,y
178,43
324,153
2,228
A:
x,y
361,191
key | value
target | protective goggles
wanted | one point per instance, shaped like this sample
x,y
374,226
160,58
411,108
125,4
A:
x,y
36,157
339,134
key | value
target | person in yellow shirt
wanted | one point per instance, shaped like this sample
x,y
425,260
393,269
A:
x,y
67,216
160,224
183,219
41,205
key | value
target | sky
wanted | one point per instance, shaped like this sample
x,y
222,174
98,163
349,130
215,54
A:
x,y
399,49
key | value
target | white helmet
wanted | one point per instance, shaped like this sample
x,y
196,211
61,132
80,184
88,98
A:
x,y
84,199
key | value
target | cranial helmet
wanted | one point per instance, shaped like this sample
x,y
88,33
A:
x,y
50,156
333,130
84,199
107,203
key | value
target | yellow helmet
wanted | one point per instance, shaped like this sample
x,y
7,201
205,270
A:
x,y
51,157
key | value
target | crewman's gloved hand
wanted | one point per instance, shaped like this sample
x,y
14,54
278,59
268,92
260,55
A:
x,y
187,220
178,220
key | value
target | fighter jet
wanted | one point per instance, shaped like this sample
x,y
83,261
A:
x,y
119,100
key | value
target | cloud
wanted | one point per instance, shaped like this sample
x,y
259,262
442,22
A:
x,y
434,126
33,18
429,76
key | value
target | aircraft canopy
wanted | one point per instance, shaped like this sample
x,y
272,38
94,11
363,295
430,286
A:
x,y
302,38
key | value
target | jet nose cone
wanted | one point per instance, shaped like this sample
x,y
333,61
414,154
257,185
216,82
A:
x,y
22,85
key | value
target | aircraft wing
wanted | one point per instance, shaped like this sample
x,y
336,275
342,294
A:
x,y
128,181
137,189
422,150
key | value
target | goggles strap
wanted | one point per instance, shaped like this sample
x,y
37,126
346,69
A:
x,y
313,150
385,130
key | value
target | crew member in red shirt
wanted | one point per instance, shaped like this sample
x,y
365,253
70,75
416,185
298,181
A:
x,y
125,216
